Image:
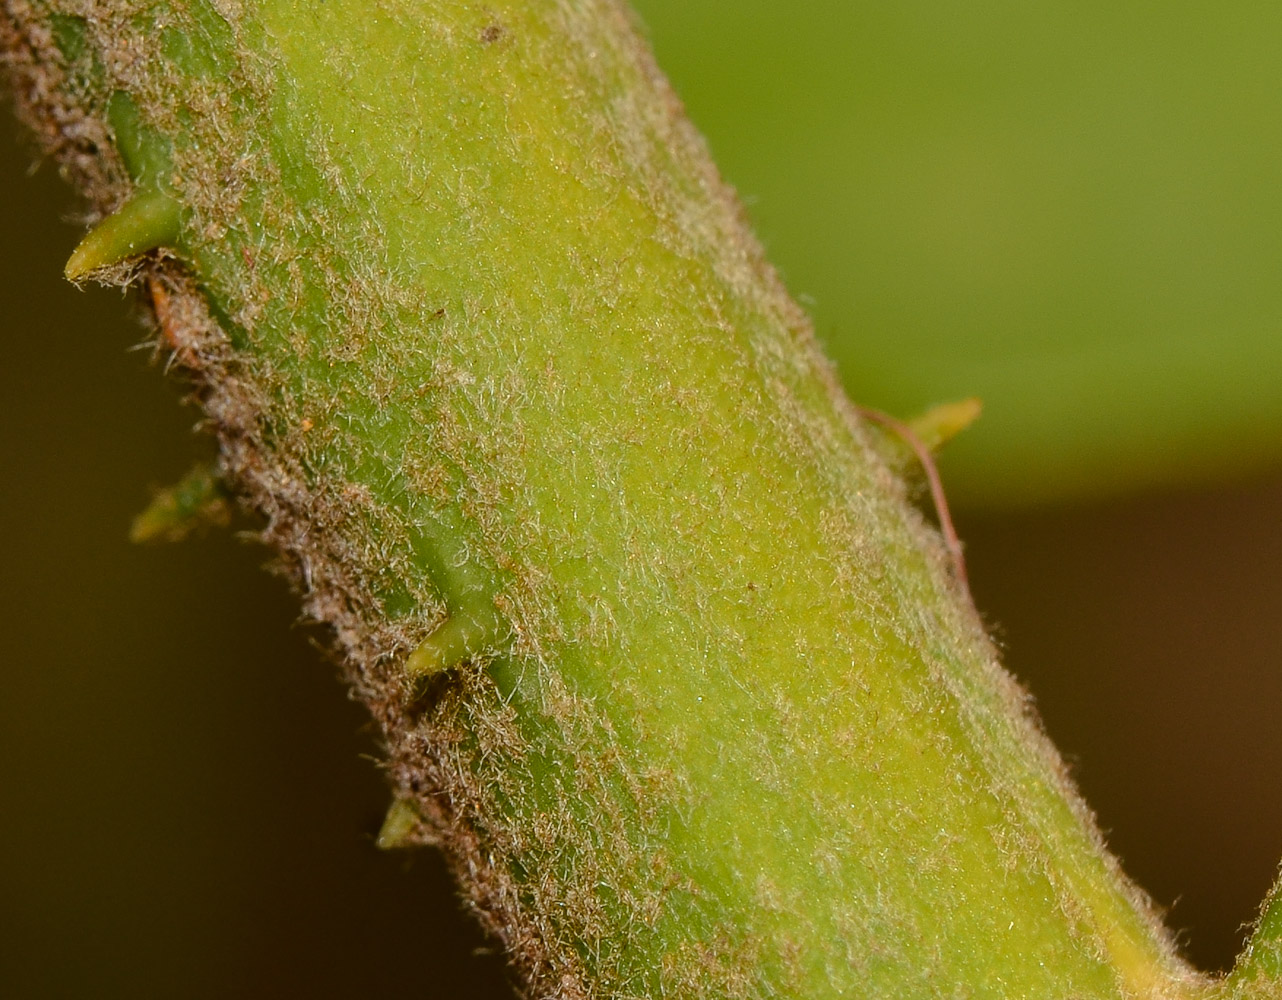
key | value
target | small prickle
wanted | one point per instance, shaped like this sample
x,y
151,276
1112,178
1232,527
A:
x,y
148,221
198,500
464,634
940,424
399,825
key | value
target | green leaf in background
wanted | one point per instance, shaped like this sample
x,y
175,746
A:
x,y
1073,212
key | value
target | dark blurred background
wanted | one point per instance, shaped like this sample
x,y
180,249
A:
x,y
188,801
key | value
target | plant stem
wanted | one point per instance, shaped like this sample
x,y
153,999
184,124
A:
x,y
661,656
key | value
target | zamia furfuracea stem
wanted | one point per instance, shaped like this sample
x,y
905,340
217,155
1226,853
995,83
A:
x,y
661,657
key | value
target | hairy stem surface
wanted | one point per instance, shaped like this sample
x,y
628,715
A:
x,y
661,656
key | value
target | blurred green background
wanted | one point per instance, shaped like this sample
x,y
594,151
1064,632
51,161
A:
x,y
1071,212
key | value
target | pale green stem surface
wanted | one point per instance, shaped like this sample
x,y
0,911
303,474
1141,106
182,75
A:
x,y
695,703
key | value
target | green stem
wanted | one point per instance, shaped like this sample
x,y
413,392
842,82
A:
x,y
1258,973
696,707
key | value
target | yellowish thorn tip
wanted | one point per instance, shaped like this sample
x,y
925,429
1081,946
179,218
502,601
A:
x,y
463,635
398,826
940,424
150,219
199,500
